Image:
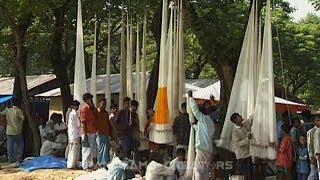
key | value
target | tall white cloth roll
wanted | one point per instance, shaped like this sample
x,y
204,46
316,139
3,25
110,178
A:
x,y
242,99
108,68
191,147
79,68
143,80
137,79
264,122
123,80
94,65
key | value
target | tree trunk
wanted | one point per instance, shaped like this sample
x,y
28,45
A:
x,y
154,75
58,62
21,58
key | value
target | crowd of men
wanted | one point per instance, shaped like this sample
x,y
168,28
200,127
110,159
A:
x,y
298,148
91,138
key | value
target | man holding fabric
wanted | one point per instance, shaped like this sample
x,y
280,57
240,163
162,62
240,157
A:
x,y
89,144
204,128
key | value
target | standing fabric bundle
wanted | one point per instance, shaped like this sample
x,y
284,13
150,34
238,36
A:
x,y
129,59
94,64
264,122
191,147
181,57
242,99
162,125
108,68
169,49
137,77
123,79
143,89
79,69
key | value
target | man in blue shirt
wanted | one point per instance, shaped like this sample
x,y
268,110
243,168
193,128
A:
x,y
204,128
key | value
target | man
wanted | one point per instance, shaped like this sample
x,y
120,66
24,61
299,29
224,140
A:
x,y
283,121
104,133
126,103
52,147
60,129
156,170
126,124
241,142
89,144
181,127
312,142
74,128
15,118
284,160
204,129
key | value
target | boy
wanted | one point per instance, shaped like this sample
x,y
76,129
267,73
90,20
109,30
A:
x,y
284,161
303,166
73,135
241,137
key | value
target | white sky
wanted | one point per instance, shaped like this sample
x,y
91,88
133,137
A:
x,y
303,7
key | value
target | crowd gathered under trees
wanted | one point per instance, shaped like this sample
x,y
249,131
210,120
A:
x,y
91,138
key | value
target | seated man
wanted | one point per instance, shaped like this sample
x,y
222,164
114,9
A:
x,y
117,167
156,170
50,147
179,163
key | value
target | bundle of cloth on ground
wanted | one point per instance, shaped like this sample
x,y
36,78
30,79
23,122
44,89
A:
x,y
43,162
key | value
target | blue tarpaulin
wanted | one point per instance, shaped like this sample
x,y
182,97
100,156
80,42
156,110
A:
x,y
43,162
4,99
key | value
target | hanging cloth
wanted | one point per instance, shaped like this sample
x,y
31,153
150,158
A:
x,y
264,122
181,55
242,99
108,67
137,75
94,64
79,87
129,59
123,79
143,80
191,148
162,125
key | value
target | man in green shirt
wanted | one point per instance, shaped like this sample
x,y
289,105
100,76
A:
x,y
14,117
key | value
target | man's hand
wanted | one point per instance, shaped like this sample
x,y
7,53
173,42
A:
x,y
313,160
85,138
190,93
211,97
194,123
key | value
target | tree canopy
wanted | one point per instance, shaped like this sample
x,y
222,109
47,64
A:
x,y
214,33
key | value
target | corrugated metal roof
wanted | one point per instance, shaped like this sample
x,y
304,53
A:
x,y
191,84
7,83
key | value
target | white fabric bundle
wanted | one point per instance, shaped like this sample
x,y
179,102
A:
x,y
191,147
79,68
242,99
108,69
143,89
264,122
94,65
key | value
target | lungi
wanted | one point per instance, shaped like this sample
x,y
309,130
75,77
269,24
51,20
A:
x,y
103,150
89,153
201,165
73,153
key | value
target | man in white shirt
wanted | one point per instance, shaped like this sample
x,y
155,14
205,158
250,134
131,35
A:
x,y
241,142
312,143
73,135
204,130
156,170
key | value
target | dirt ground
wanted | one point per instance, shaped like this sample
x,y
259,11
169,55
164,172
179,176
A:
x,y
12,172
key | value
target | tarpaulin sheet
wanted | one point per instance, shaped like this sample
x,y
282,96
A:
x,y
43,162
